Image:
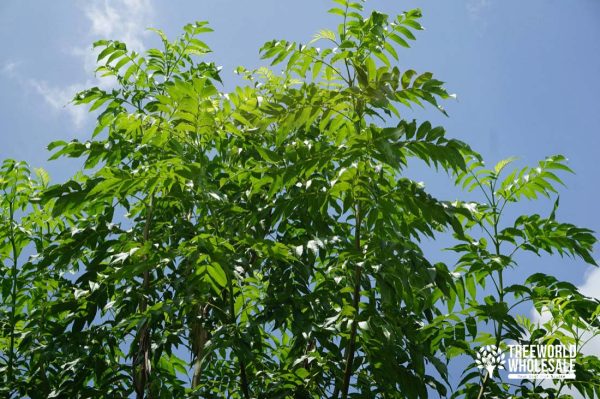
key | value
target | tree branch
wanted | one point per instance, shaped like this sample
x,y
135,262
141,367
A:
x,y
350,350
142,377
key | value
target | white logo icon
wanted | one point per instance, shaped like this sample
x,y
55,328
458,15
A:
x,y
490,357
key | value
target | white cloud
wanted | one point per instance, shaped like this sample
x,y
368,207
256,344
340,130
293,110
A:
x,y
591,346
123,20
9,68
476,8
591,285
59,99
591,288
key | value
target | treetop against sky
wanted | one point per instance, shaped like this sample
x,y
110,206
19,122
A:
x,y
281,232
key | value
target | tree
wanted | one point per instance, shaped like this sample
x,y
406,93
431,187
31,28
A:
x,y
574,317
265,243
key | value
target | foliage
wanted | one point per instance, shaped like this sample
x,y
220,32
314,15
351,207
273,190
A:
x,y
573,318
265,243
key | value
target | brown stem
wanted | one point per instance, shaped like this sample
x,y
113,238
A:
x,y
310,346
198,332
243,374
141,359
355,304
199,336
244,380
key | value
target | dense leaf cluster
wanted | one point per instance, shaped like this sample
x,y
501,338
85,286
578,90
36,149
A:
x,y
265,243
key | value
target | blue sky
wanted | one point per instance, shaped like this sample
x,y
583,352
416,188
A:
x,y
526,73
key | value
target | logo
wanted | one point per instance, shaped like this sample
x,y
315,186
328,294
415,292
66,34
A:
x,y
532,362
539,362
490,358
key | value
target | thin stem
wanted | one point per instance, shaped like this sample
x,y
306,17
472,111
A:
x,y
517,303
142,378
45,300
198,338
483,383
480,223
500,285
13,311
350,80
243,373
495,284
497,248
329,65
480,186
350,350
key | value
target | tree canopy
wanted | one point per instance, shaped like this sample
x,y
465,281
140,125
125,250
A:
x,y
266,242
